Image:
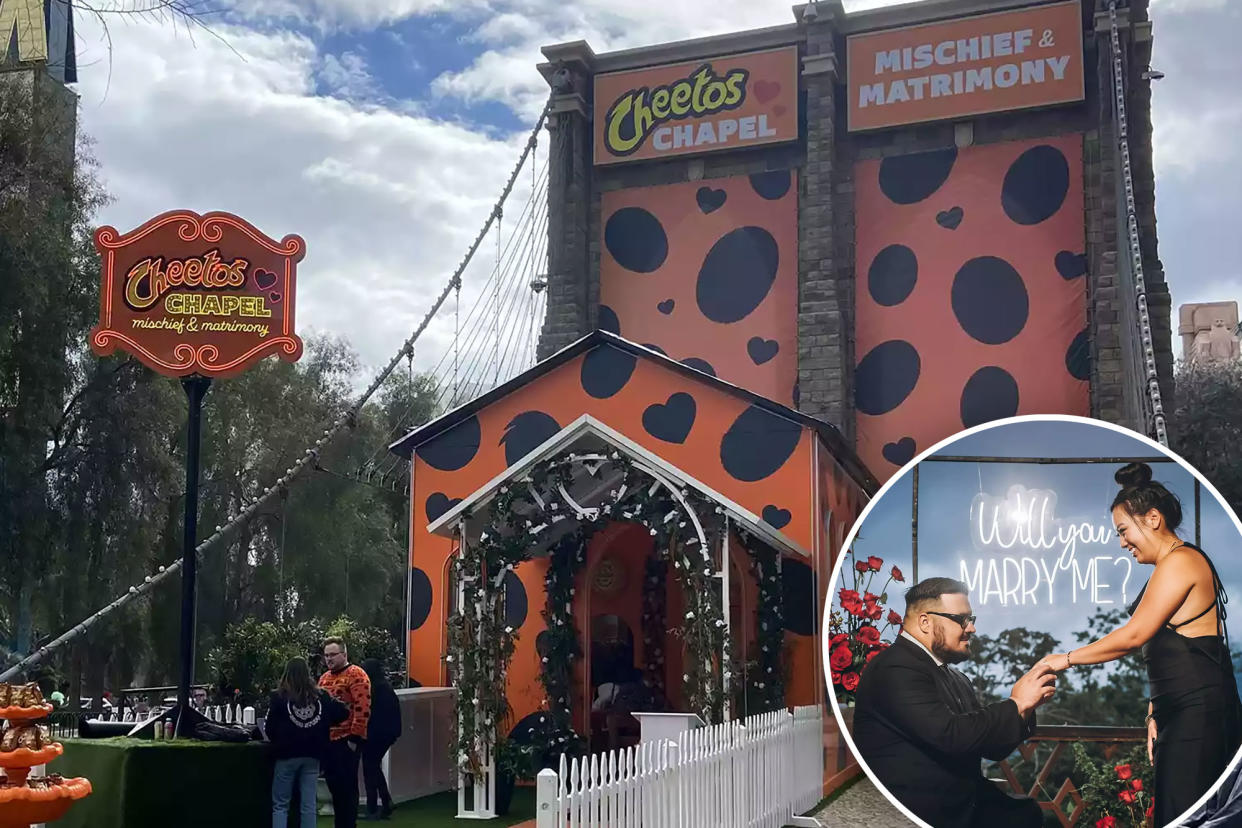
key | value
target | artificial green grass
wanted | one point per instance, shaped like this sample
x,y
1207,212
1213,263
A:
x,y
440,811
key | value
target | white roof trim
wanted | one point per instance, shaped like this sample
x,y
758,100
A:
x,y
586,424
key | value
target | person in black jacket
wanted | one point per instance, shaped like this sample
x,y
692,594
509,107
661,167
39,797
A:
x,y
921,730
382,732
297,724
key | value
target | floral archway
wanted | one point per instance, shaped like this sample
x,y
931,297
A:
x,y
545,509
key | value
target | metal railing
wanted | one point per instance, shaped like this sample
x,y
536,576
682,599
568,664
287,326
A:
x,y
1051,796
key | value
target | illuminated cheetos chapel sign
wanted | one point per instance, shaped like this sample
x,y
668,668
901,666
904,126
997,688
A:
x,y
190,294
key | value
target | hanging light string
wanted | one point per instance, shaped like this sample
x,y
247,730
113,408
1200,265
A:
x,y
310,457
1154,403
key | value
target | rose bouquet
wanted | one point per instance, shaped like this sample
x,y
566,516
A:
x,y
1116,795
856,635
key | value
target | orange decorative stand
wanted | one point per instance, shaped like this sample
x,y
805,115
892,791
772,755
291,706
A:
x,y
25,799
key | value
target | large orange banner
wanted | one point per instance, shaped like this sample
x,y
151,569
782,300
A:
x,y
721,104
989,63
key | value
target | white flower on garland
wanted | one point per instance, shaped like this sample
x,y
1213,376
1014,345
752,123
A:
x,y
689,616
449,659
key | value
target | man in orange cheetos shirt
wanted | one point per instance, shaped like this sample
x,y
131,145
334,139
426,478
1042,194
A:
x,y
349,684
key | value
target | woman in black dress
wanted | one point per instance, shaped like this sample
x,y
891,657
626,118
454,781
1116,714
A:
x,y
1194,716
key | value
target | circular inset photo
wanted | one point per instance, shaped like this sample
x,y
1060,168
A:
x,y
1030,626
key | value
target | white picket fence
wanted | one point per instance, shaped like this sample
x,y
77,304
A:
x,y
761,772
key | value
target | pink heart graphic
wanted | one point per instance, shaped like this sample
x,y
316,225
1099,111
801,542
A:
x,y
766,90
274,296
264,279
779,110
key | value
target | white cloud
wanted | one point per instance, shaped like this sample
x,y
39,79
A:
x,y
388,201
346,76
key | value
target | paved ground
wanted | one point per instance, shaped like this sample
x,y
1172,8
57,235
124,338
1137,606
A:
x,y
861,804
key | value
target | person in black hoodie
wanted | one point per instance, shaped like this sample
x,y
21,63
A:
x,y
297,724
382,732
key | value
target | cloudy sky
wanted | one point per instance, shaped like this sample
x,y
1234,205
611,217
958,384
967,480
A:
x,y
382,131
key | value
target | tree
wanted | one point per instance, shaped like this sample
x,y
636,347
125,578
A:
x,y
1206,427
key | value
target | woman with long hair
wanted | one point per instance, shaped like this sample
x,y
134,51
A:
x,y
298,719
383,730
1194,716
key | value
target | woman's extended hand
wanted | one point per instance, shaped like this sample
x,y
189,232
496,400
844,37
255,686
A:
x,y
1058,662
1151,741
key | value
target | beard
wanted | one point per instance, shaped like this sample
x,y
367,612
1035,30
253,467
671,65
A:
x,y
943,653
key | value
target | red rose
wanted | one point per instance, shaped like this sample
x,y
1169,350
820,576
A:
x,y
841,658
897,576
849,595
894,618
1126,797
877,613
875,563
853,607
1123,771
861,566
836,677
1137,784
837,640
868,634
1151,809
1106,822
870,597
850,681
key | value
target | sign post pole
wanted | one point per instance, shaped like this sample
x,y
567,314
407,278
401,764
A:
x,y
196,388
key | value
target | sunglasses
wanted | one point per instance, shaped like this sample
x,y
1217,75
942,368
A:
x,y
961,618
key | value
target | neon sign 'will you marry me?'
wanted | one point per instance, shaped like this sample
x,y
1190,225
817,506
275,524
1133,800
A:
x,y
1029,556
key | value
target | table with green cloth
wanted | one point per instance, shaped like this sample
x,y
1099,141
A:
x,y
140,783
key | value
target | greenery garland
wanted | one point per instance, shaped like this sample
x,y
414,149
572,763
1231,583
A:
x,y
766,686
481,645
655,617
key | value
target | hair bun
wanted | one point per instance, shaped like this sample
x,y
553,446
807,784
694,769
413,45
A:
x,y
1133,474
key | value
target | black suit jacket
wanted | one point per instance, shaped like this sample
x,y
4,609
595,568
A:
x,y
924,737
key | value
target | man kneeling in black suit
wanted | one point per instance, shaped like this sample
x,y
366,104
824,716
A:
x,y
921,729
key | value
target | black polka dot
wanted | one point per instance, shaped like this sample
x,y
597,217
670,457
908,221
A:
x,y
900,452
636,240
525,433
608,320
655,348
908,179
990,394
892,275
437,504
699,365
666,307
758,444
420,597
1078,357
606,370
671,421
776,517
515,600
543,643
1035,185
798,606
771,185
886,376
990,300
737,274
454,449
